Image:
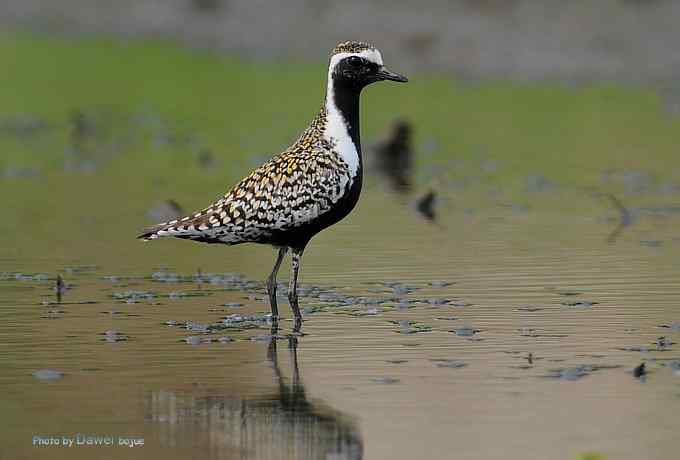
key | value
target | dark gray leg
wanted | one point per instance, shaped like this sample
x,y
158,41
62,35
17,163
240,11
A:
x,y
271,283
292,287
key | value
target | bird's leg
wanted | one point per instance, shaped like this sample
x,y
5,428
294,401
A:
x,y
271,283
292,287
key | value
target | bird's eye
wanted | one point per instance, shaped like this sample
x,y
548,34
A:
x,y
355,61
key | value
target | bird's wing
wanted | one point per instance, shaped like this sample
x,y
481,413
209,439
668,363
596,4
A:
x,y
288,191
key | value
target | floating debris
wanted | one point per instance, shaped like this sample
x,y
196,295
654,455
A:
x,y
440,283
448,363
635,348
639,371
133,296
369,312
411,327
425,205
580,303
184,294
576,373
438,302
396,361
37,277
238,319
53,314
113,336
164,276
530,309
48,374
460,304
674,326
663,343
465,331
197,327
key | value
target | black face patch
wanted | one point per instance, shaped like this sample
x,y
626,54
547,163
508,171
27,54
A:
x,y
356,72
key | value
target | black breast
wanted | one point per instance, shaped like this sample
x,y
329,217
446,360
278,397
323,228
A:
x,y
298,237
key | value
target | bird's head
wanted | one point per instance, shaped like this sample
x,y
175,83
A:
x,y
357,64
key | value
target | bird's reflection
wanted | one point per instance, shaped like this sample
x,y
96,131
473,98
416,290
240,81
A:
x,y
282,425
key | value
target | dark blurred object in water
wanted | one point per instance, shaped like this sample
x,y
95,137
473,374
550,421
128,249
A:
x,y
625,218
81,130
206,159
640,371
165,211
425,205
392,157
81,143
60,288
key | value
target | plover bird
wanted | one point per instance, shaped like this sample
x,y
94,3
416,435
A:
x,y
310,186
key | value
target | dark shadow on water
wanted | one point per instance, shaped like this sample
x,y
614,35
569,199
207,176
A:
x,y
284,424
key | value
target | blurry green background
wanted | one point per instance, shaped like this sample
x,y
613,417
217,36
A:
x,y
526,115
108,110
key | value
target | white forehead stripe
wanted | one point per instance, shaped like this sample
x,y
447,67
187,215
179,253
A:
x,y
371,54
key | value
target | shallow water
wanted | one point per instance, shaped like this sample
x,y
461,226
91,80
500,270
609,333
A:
x,y
501,331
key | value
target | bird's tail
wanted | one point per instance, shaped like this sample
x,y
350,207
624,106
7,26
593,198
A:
x,y
172,228
180,228
151,233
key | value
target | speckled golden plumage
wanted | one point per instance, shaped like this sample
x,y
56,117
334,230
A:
x,y
290,190
351,47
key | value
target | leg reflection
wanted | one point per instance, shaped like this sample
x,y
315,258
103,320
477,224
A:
x,y
281,424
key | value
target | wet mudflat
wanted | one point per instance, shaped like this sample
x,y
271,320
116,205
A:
x,y
500,333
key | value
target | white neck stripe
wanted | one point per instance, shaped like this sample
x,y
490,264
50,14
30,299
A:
x,y
337,132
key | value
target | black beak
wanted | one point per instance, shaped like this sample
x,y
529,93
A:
x,y
384,74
